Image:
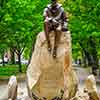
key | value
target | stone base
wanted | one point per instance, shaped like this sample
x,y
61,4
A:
x,y
48,76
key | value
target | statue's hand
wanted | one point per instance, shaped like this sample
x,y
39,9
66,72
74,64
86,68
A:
x,y
49,19
59,28
65,27
55,23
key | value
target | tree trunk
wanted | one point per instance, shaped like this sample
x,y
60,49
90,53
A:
x,y
84,61
93,50
19,62
85,54
12,56
3,62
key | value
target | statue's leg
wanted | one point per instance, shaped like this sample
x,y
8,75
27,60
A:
x,y
46,29
56,42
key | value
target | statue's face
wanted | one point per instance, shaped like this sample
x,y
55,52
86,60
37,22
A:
x,y
54,2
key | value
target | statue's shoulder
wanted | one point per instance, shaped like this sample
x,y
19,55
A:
x,y
60,7
49,6
47,9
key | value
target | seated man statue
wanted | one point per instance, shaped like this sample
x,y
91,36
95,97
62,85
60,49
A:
x,y
55,20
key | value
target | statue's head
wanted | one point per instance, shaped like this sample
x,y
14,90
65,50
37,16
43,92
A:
x,y
54,2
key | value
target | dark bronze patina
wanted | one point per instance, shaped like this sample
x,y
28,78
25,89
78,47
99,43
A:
x,y
55,20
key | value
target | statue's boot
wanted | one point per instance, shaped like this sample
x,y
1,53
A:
x,y
46,28
49,46
54,52
55,46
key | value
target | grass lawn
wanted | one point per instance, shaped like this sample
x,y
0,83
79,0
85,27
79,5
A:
x,y
9,70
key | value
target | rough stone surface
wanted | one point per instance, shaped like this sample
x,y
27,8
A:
x,y
46,76
12,88
90,85
10,93
80,96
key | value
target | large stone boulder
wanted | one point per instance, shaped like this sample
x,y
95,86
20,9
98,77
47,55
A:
x,y
47,76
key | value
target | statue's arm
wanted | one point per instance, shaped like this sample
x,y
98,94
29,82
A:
x,y
46,27
65,20
46,15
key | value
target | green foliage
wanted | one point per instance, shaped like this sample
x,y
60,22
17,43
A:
x,y
9,70
22,20
84,16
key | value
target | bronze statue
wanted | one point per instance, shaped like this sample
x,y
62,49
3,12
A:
x,y
55,20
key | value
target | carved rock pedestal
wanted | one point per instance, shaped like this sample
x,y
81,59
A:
x,y
47,76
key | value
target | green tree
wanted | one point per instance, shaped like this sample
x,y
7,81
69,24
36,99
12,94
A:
x,y
84,21
20,22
